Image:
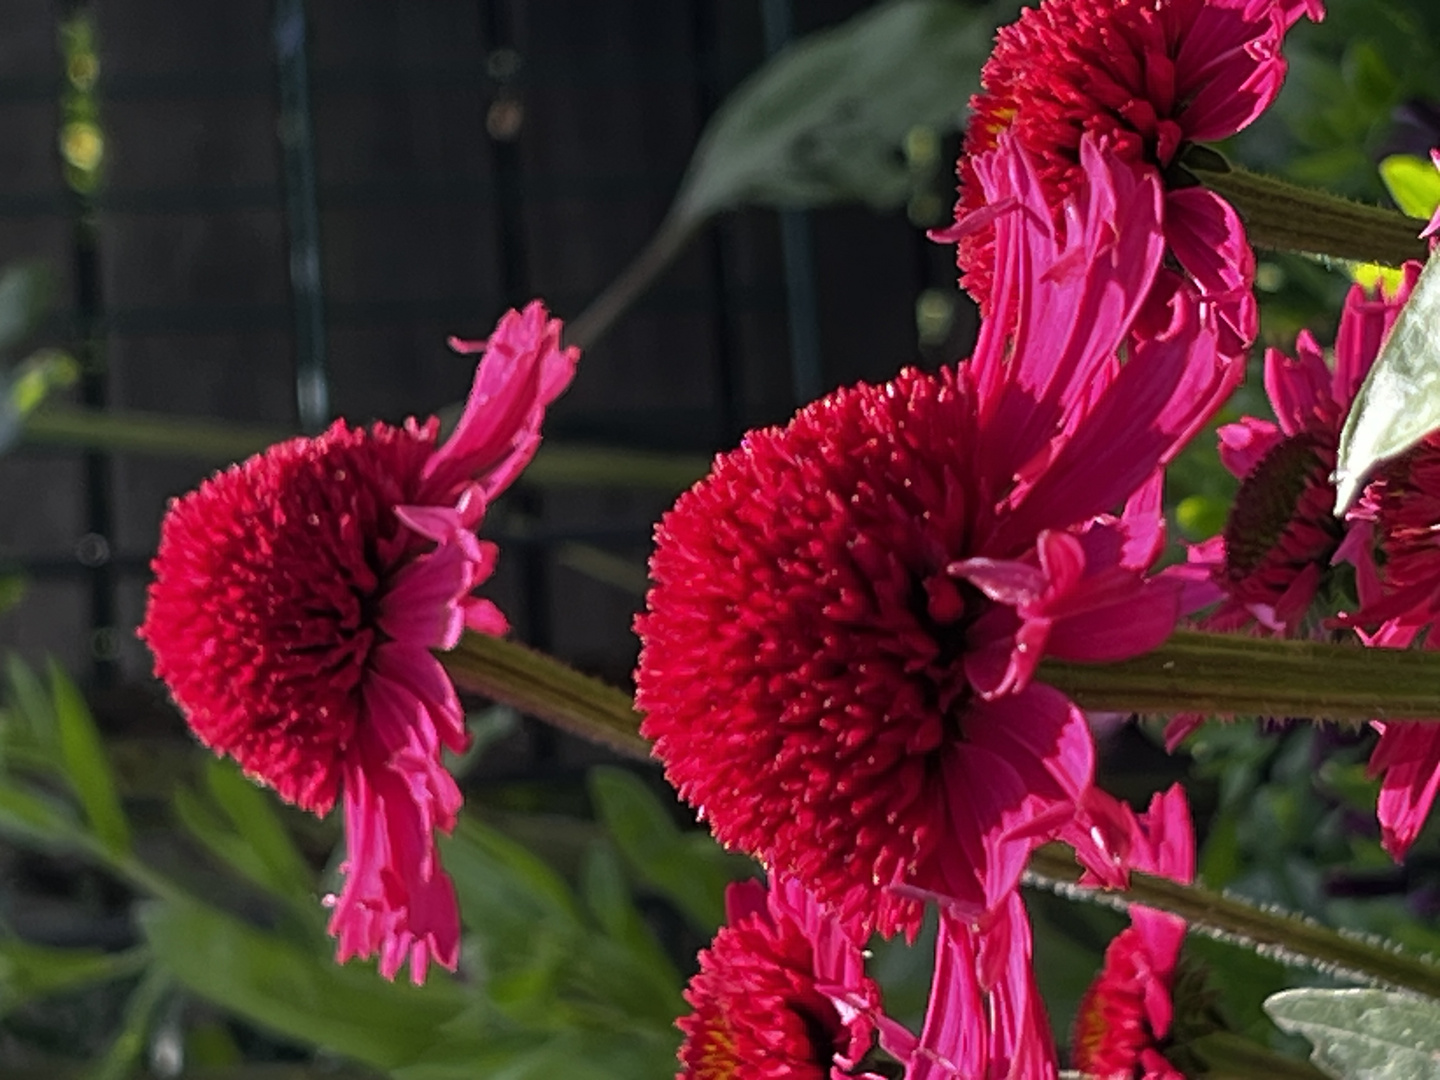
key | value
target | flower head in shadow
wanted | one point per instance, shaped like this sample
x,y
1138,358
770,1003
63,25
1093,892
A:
x,y
297,599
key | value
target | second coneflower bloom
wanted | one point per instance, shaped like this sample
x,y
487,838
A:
x,y
1124,1019
296,603
847,613
1147,79
1282,540
781,992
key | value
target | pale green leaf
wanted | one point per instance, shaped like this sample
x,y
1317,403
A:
x,y
1399,402
205,824
1414,184
689,869
626,968
252,813
1364,1034
824,121
87,767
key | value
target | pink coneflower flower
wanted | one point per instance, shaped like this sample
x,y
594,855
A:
x,y
1403,504
1147,78
1282,539
781,992
296,601
846,613
1124,1017
985,1017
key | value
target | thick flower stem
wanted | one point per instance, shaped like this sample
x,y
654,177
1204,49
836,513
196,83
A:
x,y
1234,675
1290,939
1287,217
1192,672
542,686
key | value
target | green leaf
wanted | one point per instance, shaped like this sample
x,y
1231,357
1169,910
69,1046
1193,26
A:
x,y
484,855
296,993
30,971
524,924
37,820
86,766
32,706
25,387
575,1055
690,870
1364,1034
1399,402
1413,182
278,863
824,120
127,1048
626,968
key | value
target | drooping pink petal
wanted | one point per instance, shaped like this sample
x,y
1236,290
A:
x,y
1408,760
1208,240
396,901
523,370
985,1016
1300,389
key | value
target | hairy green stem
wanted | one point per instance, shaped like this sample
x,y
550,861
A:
x,y
1230,674
1192,672
1287,217
542,686
1289,938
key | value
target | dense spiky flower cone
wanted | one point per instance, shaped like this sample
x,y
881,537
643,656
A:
x,y
1147,78
296,601
781,993
847,612
1282,541
1124,1018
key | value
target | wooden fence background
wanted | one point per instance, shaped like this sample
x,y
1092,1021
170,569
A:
x,y
462,157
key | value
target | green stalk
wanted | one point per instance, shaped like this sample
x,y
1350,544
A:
x,y
1287,217
1192,672
1231,674
542,686
214,442
219,442
1288,938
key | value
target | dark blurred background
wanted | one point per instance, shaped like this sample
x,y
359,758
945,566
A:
x,y
276,212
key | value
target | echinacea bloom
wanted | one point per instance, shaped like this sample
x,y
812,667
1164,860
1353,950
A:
x,y
296,601
1282,538
781,992
1403,508
847,612
1147,79
1124,1017
985,1016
